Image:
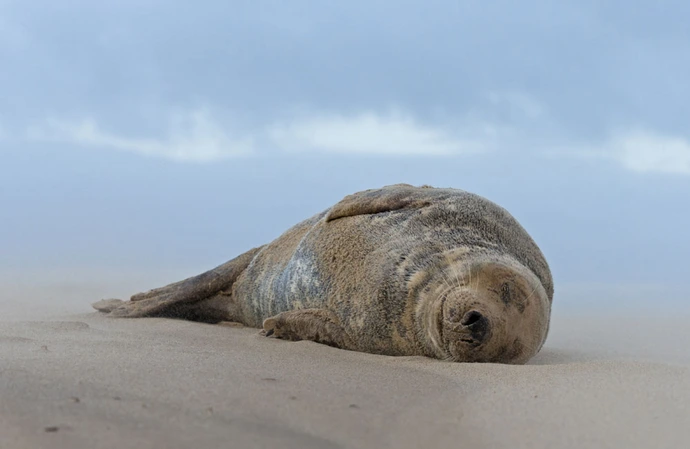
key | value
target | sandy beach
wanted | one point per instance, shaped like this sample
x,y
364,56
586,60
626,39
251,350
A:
x,y
71,378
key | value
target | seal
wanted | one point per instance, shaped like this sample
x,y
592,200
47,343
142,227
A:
x,y
400,270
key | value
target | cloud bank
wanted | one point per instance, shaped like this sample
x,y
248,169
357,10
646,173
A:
x,y
637,150
369,133
191,137
644,151
196,136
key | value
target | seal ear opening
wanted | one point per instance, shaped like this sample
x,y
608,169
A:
x,y
375,201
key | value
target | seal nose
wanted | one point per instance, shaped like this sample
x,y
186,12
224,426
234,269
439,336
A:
x,y
471,318
477,324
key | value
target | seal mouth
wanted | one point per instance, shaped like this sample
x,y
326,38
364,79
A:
x,y
463,332
470,341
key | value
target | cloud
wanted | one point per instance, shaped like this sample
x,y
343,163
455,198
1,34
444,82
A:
x,y
197,137
191,137
370,133
637,150
644,151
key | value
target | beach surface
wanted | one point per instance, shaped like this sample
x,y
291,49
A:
x,y
608,377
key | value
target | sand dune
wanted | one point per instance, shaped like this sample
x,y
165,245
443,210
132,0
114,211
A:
x,y
72,378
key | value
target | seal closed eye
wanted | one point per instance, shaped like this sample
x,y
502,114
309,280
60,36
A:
x,y
505,293
400,270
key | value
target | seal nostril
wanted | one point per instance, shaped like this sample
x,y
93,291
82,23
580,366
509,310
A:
x,y
477,325
470,318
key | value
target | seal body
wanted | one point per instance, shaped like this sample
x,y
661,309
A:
x,y
400,270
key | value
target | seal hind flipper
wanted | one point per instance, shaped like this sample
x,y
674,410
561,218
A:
x,y
177,299
318,325
374,201
156,291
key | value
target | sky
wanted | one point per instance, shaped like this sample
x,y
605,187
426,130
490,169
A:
x,y
168,136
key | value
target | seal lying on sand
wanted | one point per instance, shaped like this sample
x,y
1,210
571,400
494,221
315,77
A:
x,y
400,270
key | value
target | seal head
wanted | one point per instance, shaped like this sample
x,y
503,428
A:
x,y
484,310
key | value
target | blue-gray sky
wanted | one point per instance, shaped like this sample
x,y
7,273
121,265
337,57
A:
x,y
174,135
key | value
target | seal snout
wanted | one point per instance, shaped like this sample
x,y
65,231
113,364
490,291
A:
x,y
477,325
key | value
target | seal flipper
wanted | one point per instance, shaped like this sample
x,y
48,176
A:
x,y
178,299
107,305
386,199
318,325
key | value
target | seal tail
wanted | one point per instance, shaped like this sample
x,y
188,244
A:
x,y
184,299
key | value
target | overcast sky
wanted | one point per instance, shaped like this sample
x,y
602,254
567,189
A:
x,y
168,135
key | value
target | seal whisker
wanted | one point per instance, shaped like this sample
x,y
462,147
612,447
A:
x,y
461,279
446,276
534,290
447,280
451,279
469,274
454,275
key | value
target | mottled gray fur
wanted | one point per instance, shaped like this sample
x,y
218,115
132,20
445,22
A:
x,y
400,270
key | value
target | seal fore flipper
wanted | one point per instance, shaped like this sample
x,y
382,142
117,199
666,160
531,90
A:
x,y
173,300
386,199
107,305
318,325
